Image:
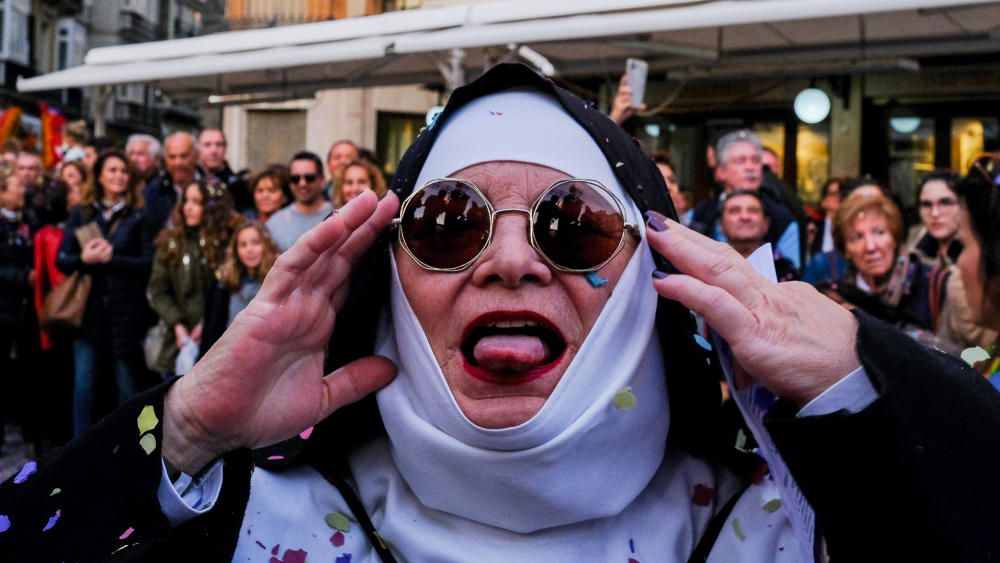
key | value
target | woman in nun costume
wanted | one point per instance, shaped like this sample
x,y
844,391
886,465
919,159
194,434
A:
x,y
497,362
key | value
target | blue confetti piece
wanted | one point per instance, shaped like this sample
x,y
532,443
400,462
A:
x,y
28,470
595,280
52,521
702,342
631,545
345,558
4,523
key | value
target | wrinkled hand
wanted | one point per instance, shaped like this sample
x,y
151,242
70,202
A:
x,y
621,106
263,381
788,336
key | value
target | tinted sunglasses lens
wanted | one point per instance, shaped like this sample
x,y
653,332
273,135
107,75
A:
x,y
309,178
578,225
446,224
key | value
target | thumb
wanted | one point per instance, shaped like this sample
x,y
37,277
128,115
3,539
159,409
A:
x,y
352,382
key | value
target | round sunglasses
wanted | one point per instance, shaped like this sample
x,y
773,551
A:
x,y
576,225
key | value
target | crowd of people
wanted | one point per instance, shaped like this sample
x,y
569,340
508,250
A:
x,y
174,244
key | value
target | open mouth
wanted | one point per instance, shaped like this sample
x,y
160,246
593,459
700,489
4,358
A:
x,y
511,347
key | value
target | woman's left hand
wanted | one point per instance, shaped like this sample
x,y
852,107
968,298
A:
x,y
786,335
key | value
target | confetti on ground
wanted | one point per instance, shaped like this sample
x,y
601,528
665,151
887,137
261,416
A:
x,y
4,523
126,533
772,505
52,521
55,492
147,419
624,399
345,558
337,539
306,433
275,457
338,521
738,529
972,356
703,495
27,471
148,443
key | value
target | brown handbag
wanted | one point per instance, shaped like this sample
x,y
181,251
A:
x,y
65,304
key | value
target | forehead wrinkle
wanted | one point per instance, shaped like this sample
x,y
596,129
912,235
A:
x,y
507,184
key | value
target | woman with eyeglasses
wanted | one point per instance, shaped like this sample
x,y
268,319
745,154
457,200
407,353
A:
x,y
541,393
938,203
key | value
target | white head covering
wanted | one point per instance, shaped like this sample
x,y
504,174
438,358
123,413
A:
x,y
565,447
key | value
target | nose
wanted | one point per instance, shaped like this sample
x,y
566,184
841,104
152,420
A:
x,y
510,259
870,245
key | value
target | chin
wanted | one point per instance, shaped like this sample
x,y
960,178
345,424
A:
x,y
500,412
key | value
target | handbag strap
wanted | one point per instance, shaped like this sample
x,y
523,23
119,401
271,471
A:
x,y
938,278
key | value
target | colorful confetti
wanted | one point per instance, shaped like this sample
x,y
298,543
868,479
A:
x,y
338,521
275,457
28,470
274,550
148,443
337,539
55,492
624,399
738,529
126,533
772,505
741,440
305,434
702,342
4,523
147,419
703,495
631,545
262,546
345,558
595,280
973,356
52,521
633,560
619,164
292,556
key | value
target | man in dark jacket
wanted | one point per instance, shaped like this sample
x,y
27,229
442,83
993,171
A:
x,y
161,193
212,163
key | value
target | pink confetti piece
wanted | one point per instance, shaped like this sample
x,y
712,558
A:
x,y
306,433
703,495
275,457
633,560
52,521
274,550
4,523
126,533
28,470
337,539
294,556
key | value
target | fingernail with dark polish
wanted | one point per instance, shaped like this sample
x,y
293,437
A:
x,y
659,275
655,223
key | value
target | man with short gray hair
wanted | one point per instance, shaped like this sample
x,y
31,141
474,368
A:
x,y
161,192
740,167
144,152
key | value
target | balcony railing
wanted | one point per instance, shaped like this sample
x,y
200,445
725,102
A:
x,y
134,28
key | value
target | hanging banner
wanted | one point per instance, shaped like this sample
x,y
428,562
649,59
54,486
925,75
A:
x,y
52,125
9,121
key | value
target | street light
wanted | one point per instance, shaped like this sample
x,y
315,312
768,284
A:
x,y
812,105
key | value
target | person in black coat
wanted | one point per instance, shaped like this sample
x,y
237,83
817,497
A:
x,y
119,262
887,478
161,193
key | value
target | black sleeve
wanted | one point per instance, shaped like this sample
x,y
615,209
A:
x,y
68,258
910,478
216,316
95,500
138,264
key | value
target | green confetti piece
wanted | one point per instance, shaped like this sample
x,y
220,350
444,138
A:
x,y
738,529
148,443
741,440
147,419
972,356
772,505
55,492
624,399
338,521
619,164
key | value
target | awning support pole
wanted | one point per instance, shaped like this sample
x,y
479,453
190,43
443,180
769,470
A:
x,y
99,109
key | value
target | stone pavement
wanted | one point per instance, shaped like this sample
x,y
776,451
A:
x,y
15,452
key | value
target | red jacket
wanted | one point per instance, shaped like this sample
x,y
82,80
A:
x,y
47,241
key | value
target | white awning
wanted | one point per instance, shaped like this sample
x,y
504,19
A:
x,y
578,38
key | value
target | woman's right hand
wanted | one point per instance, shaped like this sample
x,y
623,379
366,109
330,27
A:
x,y
263,381
96,251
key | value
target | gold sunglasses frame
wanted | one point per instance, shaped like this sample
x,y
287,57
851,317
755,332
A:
x,y
627,227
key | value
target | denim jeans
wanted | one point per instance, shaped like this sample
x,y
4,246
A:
x,y
86,382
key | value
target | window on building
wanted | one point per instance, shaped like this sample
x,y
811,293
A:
x,y
15,43
395,133
970,138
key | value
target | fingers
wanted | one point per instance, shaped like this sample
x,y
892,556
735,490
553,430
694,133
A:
x,y
714,263
355,380
722,311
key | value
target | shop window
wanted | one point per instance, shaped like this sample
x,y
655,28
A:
x,y
395,133
812,156
970,138
911,153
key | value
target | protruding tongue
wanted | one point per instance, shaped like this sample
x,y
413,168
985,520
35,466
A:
x,y
510,352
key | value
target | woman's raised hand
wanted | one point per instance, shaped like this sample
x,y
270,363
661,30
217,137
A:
x,y
792,339
263,381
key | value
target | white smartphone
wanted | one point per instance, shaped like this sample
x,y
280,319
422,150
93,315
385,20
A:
x,y
636,70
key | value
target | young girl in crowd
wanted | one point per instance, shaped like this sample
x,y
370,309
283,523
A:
x,y
249,258
187,254
355,177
